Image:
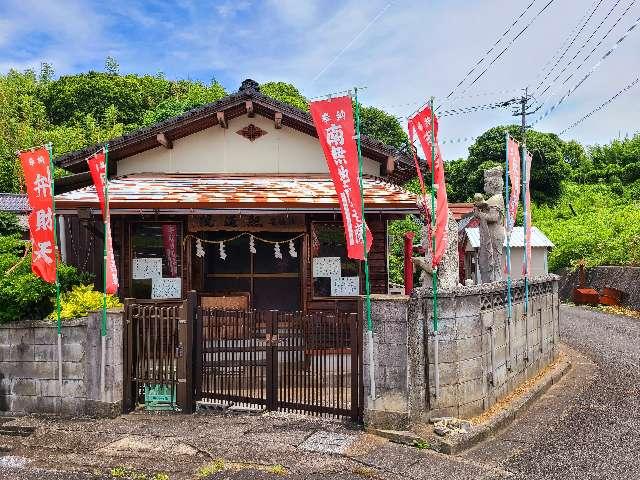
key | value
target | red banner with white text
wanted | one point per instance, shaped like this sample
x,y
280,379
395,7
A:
x,y
421,124
98,168
526,268
37,174
333,119
513,151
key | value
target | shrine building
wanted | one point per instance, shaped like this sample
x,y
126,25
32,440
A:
x,y
233,200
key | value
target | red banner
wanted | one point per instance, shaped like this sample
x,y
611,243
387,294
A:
x,y
170,241
513,151
333,119
526,268
98,168
421,123
37,174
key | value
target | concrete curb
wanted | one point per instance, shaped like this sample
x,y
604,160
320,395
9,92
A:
x,y
457,444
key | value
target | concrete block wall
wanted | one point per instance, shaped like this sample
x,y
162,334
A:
x,y
482,355
390,344
29,367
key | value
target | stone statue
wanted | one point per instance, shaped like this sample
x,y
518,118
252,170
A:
x,y
448,270
490,212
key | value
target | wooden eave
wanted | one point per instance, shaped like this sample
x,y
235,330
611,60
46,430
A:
x,y
233,106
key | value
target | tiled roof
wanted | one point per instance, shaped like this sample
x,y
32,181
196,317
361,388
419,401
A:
x,y
233,105
15,203
538,239
182,191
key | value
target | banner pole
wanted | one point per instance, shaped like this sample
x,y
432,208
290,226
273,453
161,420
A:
x,y
372,378
103,327
525,180
52,168
434,275
508,239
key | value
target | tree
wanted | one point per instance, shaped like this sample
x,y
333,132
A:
x,y
383,127
111,66
286,93
547,171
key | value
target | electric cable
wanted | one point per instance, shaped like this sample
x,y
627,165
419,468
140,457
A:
x,y
603,105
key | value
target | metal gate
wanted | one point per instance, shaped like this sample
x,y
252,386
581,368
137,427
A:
x,y
157,355
280,360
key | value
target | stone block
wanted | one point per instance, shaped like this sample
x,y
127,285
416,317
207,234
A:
x,y
4,336
21,336
5,402
471,390
46,335
47,405
47,388
470,326
500,376
79,334
23,386
49,353
30,369
448,396
471,409
73,370
449,374
22,404
4,353
447,351
469,348
21,352
470,369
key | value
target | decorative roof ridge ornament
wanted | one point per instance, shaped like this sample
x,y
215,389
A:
x,y
249,84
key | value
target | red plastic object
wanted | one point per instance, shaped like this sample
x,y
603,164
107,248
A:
x,y
585,296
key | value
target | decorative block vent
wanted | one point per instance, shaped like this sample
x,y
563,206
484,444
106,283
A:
x,y
251,132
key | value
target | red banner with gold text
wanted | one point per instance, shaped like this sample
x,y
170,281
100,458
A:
x,y
421,124
37,173
98,166
333,119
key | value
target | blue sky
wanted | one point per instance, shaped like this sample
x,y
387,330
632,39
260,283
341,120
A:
x,y
402,51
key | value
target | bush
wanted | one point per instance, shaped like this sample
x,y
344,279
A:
x,y
81,300
23,295
9,224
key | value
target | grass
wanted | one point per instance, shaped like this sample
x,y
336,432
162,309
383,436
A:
x,y
421,444
131,474
219,465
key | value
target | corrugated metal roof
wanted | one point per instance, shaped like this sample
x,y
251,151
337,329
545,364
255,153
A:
x,y
14,203
181,191
538,239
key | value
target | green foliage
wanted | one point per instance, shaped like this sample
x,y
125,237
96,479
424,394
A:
x,y
605,229
548,168
385,128
9,224
23,294
285,92
210,468
81,300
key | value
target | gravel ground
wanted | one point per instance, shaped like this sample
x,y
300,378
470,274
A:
x,y
587,426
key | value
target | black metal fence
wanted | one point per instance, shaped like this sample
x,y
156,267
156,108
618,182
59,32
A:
x,y
178,352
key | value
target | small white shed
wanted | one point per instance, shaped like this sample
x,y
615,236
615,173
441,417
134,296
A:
x,y
540,247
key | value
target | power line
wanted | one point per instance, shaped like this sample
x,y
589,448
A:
x,y
500,54
569,46
578,67
353,40
597,109
491,49
564,43
590,72
509,45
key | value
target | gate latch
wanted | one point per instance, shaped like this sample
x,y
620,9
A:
x,y
179,350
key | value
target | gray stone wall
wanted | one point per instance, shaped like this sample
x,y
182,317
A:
x,y
390,345
29,367
626,279
482,355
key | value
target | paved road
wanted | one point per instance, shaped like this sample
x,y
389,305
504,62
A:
x,y
585,427
588,426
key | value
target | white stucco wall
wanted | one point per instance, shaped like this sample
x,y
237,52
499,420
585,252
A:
x,y
219,150
539,264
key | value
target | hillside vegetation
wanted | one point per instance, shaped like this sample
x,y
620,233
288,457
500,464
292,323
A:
x,y
586,199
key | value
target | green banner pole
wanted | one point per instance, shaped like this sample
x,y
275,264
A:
x,y
105,218
52,169
434,275
372,378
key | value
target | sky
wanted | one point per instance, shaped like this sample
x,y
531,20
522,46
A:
x,y
398,52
